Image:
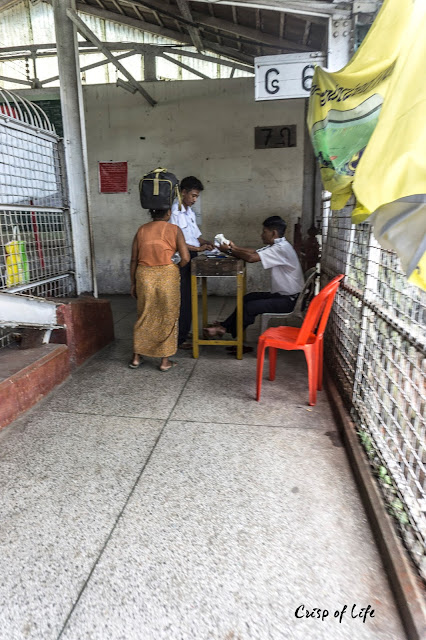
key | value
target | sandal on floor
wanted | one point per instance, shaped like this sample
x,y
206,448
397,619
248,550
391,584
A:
x,y
172,364
212,333
233,350
135,366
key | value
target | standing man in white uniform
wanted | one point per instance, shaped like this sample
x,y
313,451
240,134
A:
x,y
286,277
190,189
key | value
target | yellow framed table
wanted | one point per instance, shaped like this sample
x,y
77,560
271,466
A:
x,y
216,267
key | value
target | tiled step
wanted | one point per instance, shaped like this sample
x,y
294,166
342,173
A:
x,y
26,376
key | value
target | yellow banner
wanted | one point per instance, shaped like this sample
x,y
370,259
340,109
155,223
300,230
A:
x,y
367,129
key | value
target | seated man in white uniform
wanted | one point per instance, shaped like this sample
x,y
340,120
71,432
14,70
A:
x,y
286,277
190,189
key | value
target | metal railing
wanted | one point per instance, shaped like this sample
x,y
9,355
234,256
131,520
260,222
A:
x,y
376,353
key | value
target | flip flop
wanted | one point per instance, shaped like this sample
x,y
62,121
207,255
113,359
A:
x,y
135,366
185,345
172,364
233,350
216,336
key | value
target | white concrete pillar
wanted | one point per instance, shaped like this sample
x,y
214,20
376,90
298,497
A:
x,y
340,42
73,121
149,66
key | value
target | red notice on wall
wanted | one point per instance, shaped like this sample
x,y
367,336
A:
x,y
113,177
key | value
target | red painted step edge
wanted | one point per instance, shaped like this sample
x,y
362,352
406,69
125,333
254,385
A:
x,y
27,387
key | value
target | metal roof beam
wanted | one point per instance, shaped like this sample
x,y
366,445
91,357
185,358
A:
x,y
134,22
225,63
7,4
117,6
307,31
93,65
303,7
132,48
201,19
193,31
27,83
185,66
234,54
150,28
84,30
247,32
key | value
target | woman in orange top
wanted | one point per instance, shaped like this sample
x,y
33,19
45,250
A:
x,y
155,282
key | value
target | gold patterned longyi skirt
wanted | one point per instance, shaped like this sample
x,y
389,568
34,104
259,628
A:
x,y
158,305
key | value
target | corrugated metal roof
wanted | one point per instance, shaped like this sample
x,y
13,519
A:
x,y
237,30
31,24
233,28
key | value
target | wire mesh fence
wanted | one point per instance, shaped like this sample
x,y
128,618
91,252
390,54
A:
x,y
377,356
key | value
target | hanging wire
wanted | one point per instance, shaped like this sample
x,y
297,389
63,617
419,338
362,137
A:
x,y
13,63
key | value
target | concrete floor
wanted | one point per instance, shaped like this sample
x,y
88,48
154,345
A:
x,y
138,505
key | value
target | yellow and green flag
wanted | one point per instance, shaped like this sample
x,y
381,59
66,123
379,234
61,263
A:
x,y
368,133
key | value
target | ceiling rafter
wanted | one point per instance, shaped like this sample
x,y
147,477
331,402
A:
x,y
130,49
258,21
138,13
193,31
118,7
231,53
185,66
201,19
27,83
133,22
282,25
7,4
248,33
87,33
168,33
309,8
225,63
235,20
87,67
157,17
307,32
258,28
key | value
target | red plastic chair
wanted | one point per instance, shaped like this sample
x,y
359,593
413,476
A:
x,y
309,338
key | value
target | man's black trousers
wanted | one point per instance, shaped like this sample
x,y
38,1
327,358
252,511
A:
x,y
260,302
185,315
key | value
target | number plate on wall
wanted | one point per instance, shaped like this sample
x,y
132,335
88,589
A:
x,y
280,137
288,75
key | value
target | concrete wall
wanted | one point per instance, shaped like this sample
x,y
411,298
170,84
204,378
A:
x,y
202,128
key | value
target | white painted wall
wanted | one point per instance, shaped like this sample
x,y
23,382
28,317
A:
x,y
203,128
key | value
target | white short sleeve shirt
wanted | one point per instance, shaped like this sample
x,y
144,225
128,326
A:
x,y
286,273
185,219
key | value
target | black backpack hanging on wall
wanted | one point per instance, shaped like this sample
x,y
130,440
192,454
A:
x,y
158,189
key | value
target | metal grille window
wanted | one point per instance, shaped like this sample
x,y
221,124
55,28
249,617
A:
x,y
376,352
35,238
35,246
29,164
